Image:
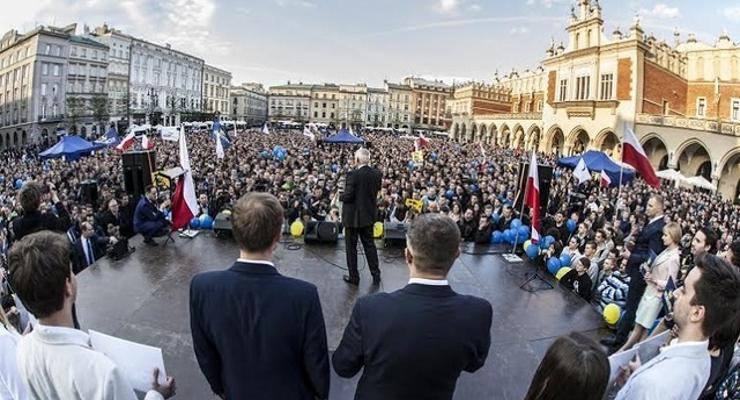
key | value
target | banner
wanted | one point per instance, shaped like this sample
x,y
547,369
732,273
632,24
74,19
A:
x,y
415,204
418,156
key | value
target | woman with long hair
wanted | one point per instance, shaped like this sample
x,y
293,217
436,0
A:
x,y
574,368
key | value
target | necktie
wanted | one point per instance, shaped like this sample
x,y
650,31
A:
x,y
90,256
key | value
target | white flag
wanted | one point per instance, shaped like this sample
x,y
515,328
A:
x,y
265,129
581,172
307,133
219,146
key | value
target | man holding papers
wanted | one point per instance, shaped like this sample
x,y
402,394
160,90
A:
x,y
258,334
710,296
56,361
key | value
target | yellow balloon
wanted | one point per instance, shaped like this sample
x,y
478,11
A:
x,y
296,228
612,312
561,272
378,230
226,212
526,245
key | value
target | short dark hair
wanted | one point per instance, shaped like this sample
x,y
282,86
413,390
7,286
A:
x,y
573,368
718,290
149,188
39,269
711,238
30,196
435,240
735,251
256,221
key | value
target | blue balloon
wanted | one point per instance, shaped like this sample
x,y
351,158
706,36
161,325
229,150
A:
x,y
496,237
495,217
449,194
524,231
516,223
507,236
334,168
206,222
571,225
533,251
565,260
553,265
264,154
18,183
411,165
195,223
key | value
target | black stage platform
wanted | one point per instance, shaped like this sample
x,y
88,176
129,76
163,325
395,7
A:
x,y
144,298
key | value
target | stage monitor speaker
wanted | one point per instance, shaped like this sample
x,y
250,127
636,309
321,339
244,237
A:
x,y
545,175
89,192
321,231
394,234
137,171
222,224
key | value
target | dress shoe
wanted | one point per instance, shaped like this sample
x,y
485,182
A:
x,y
376,280
351,281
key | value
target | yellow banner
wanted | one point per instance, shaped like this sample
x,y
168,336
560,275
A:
x,y
415,204
418,156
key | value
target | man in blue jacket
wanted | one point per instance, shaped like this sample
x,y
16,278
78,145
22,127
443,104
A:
x,y
256,333
149,221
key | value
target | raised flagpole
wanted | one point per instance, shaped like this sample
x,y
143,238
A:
x,y
521,212
621,170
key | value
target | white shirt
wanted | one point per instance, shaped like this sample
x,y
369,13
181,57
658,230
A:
x,y
11,384
430,282
655,219
248,261
58,363
86,247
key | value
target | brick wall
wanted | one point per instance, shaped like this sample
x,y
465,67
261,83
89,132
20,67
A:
x,y
551,82
707,90
662,85
490,107
624,79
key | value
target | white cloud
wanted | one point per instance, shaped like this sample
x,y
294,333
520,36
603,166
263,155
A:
x,y
447,6
475,7
299,3
732,13
519,30
530,2
662,11
544,3
464,22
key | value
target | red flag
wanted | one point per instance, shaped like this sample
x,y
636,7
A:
x,y
532,199
146,144
184,202
421,143
127,142
605,180
634,155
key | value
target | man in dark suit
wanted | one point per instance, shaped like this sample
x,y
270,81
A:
x,y
33,220
89,247
414,343
649,244
359,212
127,216
148,219
113,216
256,333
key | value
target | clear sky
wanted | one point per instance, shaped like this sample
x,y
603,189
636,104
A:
x,y
350,41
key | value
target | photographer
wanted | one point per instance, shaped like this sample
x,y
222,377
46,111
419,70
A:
x,y
31,197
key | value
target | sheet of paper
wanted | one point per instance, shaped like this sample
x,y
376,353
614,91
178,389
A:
x,y
618,360
650,347
136,360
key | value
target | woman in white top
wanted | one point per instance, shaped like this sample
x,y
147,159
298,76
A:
x,y
665,266
11,385
572,250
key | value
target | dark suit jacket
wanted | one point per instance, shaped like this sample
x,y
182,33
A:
x,y
98,244
649,239
146,212
359,200
35,221
119,220
414,342
258,334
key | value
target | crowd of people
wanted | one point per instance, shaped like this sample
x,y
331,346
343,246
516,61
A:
x,y
627,243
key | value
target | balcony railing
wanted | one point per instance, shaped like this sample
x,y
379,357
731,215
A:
x,y
725,127
528,116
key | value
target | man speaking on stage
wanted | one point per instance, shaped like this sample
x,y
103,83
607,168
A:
x,y
359,211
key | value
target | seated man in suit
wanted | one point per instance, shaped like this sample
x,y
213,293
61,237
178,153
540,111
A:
x,y
256,333
113,216
148,219
89,247
413,343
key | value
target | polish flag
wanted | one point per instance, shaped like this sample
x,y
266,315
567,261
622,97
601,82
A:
x,y
634,155
605,181
184,202
146,144
421,143
126,142
532,199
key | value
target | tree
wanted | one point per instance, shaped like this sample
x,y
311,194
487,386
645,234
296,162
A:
x,y
76,109
101,109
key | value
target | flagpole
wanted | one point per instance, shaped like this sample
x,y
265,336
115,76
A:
x,y
621,170
521,213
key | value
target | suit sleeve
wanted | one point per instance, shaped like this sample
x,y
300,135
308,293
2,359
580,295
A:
x,y
349,356
483,342
349,189
656,242
205,351
315,351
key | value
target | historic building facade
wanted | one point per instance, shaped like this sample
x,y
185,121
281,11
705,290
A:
x,y
680,100
325,104
33,85
377,107
249,104
290,102
119,48
352,106
164,83
216,88
87,92
429,103
400,105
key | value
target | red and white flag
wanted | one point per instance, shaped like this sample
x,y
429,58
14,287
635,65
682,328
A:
x,y
532,199
421,143
126,142
634,155
146,144
605,181
184,202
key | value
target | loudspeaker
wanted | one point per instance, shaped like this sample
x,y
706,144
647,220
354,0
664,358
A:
x,y
321,232
222,224
89,193
545,174
137,171
394,234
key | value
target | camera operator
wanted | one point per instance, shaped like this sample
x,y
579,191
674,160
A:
x,y
31,197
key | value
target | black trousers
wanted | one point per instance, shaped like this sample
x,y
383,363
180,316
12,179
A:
x,y
371,253
636,290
